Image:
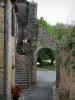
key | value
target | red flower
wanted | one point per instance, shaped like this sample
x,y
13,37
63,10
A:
x,y
16,90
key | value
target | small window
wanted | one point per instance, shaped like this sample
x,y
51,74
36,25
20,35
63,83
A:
x,y
13,22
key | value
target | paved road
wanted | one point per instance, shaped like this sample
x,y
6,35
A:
x,y
44,88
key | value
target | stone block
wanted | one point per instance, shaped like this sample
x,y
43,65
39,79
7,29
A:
x,y
1,61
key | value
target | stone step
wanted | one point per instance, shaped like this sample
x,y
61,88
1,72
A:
x,y
21,65
22,80
24,85
21,69
23,61
26,65
18,73
22,72
23,77
26,80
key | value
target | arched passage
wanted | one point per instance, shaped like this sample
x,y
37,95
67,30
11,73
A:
x,y
35,54
46,58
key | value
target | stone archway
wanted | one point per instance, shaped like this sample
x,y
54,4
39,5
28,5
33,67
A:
x,y
35,54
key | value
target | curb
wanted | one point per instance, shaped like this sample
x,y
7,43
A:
x,y
55,93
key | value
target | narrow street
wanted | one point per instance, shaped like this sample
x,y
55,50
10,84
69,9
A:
x,y
44,87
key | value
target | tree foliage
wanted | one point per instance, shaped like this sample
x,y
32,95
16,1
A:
x,y
45,54
63,33
44,24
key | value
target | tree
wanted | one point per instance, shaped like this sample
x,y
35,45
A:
x,y
44,24
45,54
51,55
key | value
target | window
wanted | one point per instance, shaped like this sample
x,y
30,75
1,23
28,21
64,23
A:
x,y
13,22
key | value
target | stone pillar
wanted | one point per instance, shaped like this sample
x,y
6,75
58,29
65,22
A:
x,y
33,32
9,53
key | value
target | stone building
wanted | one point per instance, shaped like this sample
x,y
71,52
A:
x,y
31,38
8,25
26,43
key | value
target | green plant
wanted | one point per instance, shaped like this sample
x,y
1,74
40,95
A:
x,y
73,50
73,63
67,41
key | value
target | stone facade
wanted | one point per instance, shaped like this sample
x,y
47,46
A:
x,y
11,40
32,18
1,47
44,40
31,37
11,49
28,38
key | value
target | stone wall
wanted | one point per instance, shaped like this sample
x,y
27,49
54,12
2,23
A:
x,y
10,48
1,47
28,33
33,30
66,89
45,40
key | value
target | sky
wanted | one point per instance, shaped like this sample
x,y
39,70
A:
x,y
55,11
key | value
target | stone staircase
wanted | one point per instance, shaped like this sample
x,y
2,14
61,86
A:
x,y
22,76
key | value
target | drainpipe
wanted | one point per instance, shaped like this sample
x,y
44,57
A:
x,y
5,51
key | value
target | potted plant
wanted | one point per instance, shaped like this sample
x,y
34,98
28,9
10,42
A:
x,y
16,92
